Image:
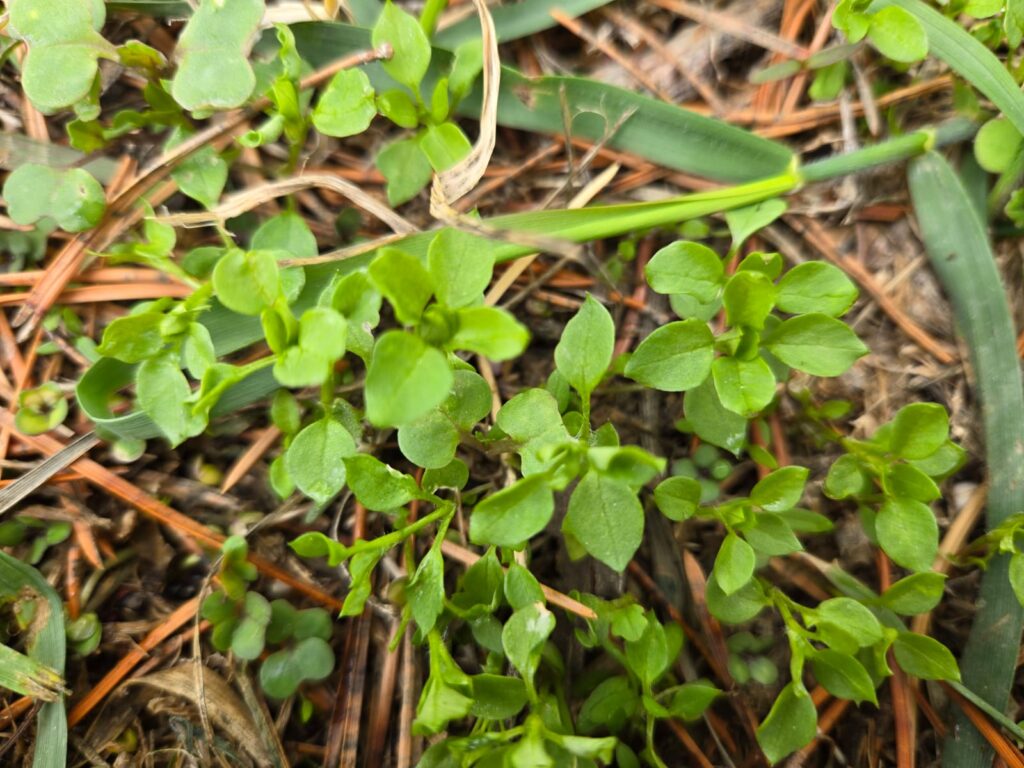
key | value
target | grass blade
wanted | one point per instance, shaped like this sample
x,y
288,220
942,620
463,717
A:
x,y
959,252
46,647
515,21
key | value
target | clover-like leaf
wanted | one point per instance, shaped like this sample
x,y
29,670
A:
x,y
72,198
64,48
40,409
308,660
213,65
315,458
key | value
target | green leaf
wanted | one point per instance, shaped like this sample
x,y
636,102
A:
x,y
404,282
791,724
1016,576
406,379
429,441
712,421
612,704
771,535
72,198
678,497
674,358
734,565
405,168
781,490
496,697
691,700
924,657
323,330
64,46
346,106
247,640
301,367
445,696
915,594
521,587
744,386
851,618
469,401
308,660
202,175
133,338
360,568
908,533
647,656
411,55
513,515
843,676
213,66
377,486
247,282
908,481
815,344
737,608
41,409
315,459
460,266
829,81
163,394
606,518
687,268
996,145
397,107
897,34
815,287
530,414
743,222
846,477
585,350
444,145
919,430
425,591
489,331
748,298
628,464
523,637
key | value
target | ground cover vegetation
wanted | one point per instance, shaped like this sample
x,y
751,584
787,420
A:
x,y
358,502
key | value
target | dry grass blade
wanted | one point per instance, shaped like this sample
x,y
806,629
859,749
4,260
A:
x,y
227,710
457,181
46,469
240,202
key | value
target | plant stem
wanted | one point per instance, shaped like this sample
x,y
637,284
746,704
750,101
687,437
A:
x,y
428,17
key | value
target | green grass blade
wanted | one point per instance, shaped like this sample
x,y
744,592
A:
x,y
515,20
960,255
968,57
46,646
23,674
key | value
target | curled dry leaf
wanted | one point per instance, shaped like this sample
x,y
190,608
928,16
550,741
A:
x,y
227,712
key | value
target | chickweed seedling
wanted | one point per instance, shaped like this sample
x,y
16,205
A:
x,y
385,348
